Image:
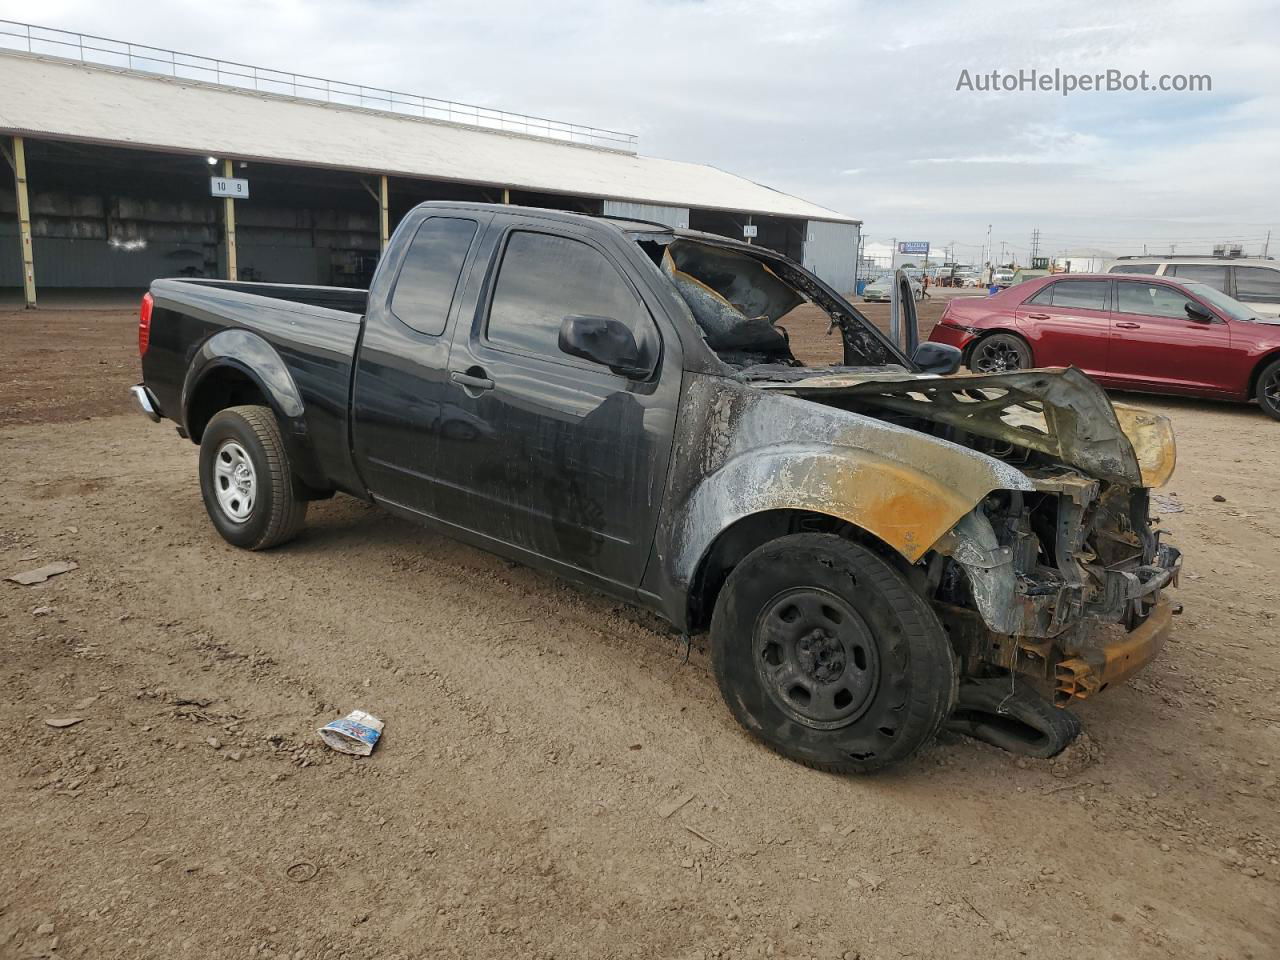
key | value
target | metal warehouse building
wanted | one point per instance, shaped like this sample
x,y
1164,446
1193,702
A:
x,y
114,149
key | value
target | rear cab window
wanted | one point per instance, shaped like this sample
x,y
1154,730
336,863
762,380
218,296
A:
x,y
544,278
429,275
1073,295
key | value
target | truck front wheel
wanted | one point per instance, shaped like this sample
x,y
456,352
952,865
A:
x,y
249,490
824,652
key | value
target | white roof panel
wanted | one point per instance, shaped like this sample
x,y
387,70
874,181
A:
x,y
69,100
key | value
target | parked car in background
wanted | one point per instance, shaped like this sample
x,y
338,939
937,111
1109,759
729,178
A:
x,y
1023,274
1002,278
1254,281
1151,334
878,291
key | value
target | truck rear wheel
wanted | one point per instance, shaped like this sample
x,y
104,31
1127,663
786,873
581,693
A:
x,y
249,490
824,653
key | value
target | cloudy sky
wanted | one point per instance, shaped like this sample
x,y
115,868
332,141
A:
x,y
850,104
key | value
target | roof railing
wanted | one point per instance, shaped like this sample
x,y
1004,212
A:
x,y
85,48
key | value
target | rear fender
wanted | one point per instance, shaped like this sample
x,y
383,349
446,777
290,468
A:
x,y
251,355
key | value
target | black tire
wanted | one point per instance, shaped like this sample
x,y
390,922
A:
x,y
272,508
1269,389
1013,717
999,353
814,612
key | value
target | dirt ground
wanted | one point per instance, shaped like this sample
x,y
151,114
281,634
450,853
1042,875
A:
x,y
556,779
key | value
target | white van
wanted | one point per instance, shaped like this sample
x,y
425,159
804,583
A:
x,y
1254,281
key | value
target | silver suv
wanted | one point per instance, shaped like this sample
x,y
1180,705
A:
x,y
1254,281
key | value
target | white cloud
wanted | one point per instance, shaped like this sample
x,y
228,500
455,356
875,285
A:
x,y
849,104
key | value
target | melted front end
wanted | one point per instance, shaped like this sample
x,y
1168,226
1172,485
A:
x,y
1062,580
1063,583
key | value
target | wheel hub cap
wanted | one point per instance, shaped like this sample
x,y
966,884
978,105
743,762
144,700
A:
x,y
816,658
821,656
234,481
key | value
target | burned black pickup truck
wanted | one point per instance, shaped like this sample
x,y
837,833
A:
x,y
876,548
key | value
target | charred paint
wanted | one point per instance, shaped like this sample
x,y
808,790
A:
x,y
741,450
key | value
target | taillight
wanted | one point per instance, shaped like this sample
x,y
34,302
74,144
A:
x,y
144,324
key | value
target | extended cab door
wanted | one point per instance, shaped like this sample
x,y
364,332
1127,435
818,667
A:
x,y
1155,344
568,459
1068,323
401,396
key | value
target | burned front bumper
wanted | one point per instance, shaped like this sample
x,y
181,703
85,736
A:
x,y
1072,596
1092,668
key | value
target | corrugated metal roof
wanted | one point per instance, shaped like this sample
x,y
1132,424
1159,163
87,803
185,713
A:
x,y
68,100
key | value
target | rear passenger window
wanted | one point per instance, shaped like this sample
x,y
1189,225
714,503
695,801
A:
x,y
429,274
1215,277
1135,268
1074,294
544,279
1259,284
1151,300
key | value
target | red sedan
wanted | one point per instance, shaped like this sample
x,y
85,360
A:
x,y
1139,333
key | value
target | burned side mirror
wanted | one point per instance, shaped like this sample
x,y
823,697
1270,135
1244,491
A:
x,y
606,341
939,358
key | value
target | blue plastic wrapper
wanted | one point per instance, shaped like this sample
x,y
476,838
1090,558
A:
x,y
356,733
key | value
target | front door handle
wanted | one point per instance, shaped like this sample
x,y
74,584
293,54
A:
x,y
473,379
1125,325
1037,316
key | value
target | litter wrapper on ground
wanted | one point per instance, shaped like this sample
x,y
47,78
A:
x,y
356,733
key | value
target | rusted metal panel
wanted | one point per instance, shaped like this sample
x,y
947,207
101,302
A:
x,y
1088,669
1152,437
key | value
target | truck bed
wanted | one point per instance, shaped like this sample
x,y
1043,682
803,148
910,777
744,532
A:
x,y
344,299
301,340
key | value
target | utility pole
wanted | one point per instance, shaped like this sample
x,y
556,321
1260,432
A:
x,y
1003,243
1035,244
1267,246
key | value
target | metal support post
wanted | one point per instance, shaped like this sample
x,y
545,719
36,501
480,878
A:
x,y
229,222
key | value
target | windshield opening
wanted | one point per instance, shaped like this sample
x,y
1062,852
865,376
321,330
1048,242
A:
x,y
747,308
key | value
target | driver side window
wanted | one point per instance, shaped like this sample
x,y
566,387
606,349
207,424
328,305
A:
x,y
1150,300
545,278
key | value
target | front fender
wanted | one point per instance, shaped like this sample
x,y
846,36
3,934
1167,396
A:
x,y
744,451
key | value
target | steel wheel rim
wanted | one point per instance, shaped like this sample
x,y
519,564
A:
x,y
235,482
816,658
998,356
